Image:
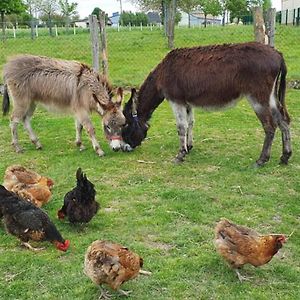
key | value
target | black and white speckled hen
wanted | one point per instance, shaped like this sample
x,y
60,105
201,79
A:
x,y
28,222
80,205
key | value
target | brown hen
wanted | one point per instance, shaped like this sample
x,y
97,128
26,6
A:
x,y
112,264
240,245
28,184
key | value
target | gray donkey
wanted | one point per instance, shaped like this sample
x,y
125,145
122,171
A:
x,y
65,86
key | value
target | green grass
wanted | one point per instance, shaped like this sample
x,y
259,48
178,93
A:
x,y
164,212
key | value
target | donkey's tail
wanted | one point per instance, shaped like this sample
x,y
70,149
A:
x,y
5,103
281,91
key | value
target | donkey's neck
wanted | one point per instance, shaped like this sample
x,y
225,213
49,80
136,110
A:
x,y
149,98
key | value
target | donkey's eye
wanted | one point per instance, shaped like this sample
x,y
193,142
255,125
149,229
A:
x,y
107,128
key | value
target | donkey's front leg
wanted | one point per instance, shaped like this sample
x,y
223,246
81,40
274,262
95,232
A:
x,y
87,124
180,113
79,127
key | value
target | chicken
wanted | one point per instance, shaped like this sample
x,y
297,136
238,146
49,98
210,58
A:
x,y
79,204
28,184
28,222
241,245
112,264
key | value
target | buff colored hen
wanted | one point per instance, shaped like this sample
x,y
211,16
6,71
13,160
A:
x,y
28,184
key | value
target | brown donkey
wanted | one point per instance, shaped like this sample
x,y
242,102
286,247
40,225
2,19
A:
x,y
65,86
214,77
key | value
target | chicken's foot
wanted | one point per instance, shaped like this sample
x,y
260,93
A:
x,y
143,272
241,278
124,293
27,245
105,295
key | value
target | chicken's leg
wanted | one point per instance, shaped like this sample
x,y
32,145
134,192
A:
x,y
241,278
27,245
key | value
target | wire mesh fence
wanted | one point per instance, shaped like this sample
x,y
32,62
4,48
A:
x,y
134,50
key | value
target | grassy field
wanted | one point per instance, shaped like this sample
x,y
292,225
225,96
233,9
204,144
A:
x,y
164,212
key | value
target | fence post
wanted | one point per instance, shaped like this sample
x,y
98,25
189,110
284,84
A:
x,y
94,41
36,31
74,29
56,32
103,44
259,26
271,20
14,31
171,23
141,26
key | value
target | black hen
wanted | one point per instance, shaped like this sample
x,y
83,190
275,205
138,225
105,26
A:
x,y
79,204
28,222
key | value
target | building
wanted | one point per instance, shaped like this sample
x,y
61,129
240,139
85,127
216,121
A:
x,y
196,18
115,18
290,12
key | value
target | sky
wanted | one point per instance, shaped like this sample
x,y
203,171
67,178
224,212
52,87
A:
x,y
85,7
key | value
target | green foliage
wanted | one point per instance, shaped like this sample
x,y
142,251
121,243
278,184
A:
x,y
8,7
135,19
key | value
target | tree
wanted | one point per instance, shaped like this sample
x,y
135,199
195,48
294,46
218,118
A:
x,y
98,12
48,8
210,7
188,6
31,8
237,8
68,10
8,7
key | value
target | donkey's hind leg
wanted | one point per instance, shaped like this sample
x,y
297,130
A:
x,y
78,141
14,133
190,119
27,125
180,113
285,135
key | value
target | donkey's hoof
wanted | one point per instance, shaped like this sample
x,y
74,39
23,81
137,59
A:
x,y
178,160
38,146
81,148
100,153
126,148
18,149
189,148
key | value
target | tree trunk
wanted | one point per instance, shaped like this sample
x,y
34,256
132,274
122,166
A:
x,y
103,44
166,17
205,20
50,25
189,16
3,26
171,23
32,28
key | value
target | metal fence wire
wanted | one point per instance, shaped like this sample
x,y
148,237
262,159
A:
x,y
137,49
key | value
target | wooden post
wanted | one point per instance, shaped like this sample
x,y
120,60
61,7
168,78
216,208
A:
x,y
259,26
94,32
36,31
171,23
103,45
14,31
271,19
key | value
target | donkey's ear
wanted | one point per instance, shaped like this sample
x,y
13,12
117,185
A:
x,y
134,97
119,96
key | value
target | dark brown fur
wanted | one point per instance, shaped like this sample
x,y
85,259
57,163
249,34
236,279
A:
x,y
214,77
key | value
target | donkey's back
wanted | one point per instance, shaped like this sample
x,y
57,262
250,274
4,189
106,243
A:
x,y
43,79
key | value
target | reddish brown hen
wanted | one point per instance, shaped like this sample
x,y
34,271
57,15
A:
x,y
240,245
112,264
28,184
